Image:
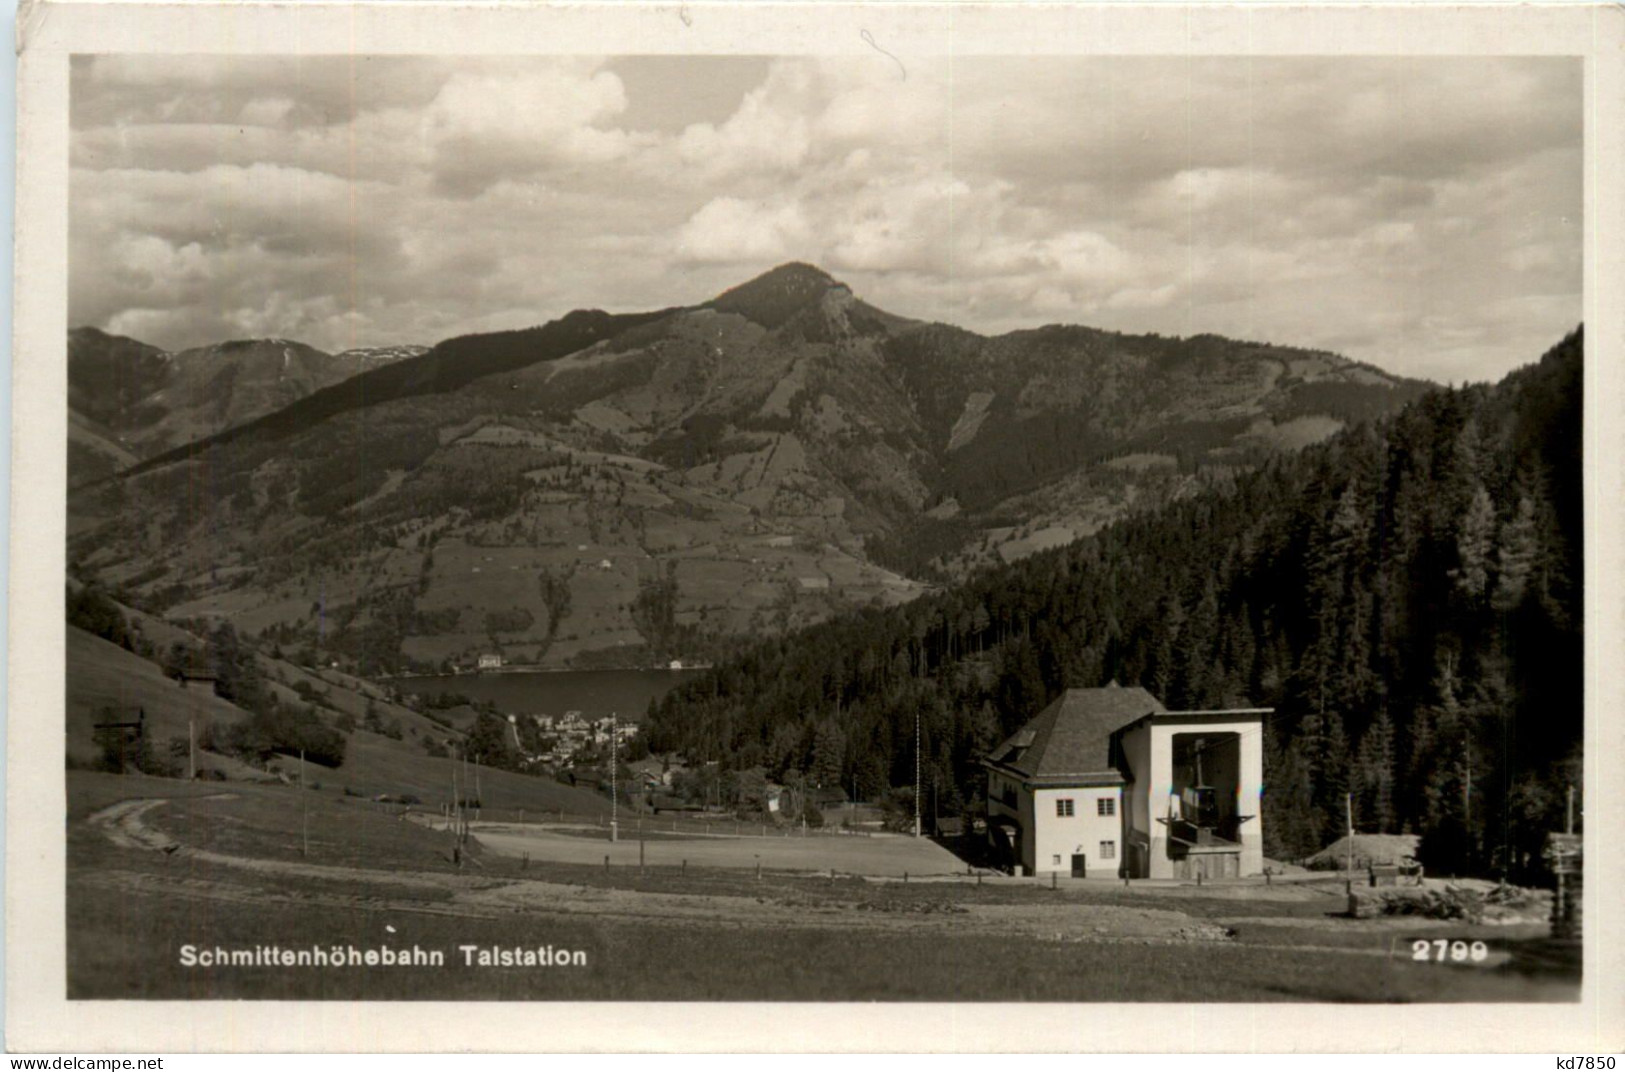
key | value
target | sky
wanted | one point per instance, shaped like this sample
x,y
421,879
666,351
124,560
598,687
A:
x,y
1423,215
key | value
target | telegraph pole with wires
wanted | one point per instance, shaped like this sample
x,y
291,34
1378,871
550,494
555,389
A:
x,y
916,772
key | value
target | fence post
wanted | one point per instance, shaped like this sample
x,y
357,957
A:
x,y
905,878
606,864
758,870
640,856
1052,881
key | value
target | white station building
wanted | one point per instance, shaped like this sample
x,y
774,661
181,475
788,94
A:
x,y
1108,782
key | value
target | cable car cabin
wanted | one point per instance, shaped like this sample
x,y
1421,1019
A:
x,y
1203,824
1202,805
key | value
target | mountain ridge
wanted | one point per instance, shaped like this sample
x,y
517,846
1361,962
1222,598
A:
x,y
664,482
131,399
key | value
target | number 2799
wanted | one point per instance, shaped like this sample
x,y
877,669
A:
x,y
1443,950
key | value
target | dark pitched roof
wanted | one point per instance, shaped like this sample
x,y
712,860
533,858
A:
x,y
1073,734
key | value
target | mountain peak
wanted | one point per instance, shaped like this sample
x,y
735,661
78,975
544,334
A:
x,y
775,296
792,273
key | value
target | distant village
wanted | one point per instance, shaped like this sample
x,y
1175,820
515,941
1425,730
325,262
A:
x,y
491,662
574,735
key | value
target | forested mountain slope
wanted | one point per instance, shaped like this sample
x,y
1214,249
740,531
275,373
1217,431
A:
x,y
1408,596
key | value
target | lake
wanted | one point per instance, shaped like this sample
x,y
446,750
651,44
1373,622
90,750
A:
x,y
595,693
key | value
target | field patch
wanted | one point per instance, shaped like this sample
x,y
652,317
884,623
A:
x,y
853,855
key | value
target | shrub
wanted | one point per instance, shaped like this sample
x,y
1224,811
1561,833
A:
x,y
92,610
279,730
120,752
514,620
897,809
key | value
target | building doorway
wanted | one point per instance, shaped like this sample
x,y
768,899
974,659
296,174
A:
x,y
1080,865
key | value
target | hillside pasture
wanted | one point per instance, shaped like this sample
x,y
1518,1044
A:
x,y
101,675
375,765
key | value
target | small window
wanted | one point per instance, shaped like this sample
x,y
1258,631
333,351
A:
x,y
1063,809
1056,860
1106,806
1108,850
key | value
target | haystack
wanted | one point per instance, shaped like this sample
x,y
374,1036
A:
x,y
1379,849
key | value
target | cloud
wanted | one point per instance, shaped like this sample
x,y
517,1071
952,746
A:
x,y
483,128
1423,214
730,231
768,133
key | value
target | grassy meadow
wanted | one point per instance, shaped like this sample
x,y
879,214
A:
x,y
372,879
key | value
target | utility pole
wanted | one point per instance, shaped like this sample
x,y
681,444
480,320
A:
x,y
614,797
1467,793
304,805
1348,804
916,772
191,747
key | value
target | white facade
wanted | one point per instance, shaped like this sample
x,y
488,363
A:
x,y
1077,831
1158,803
1064,829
